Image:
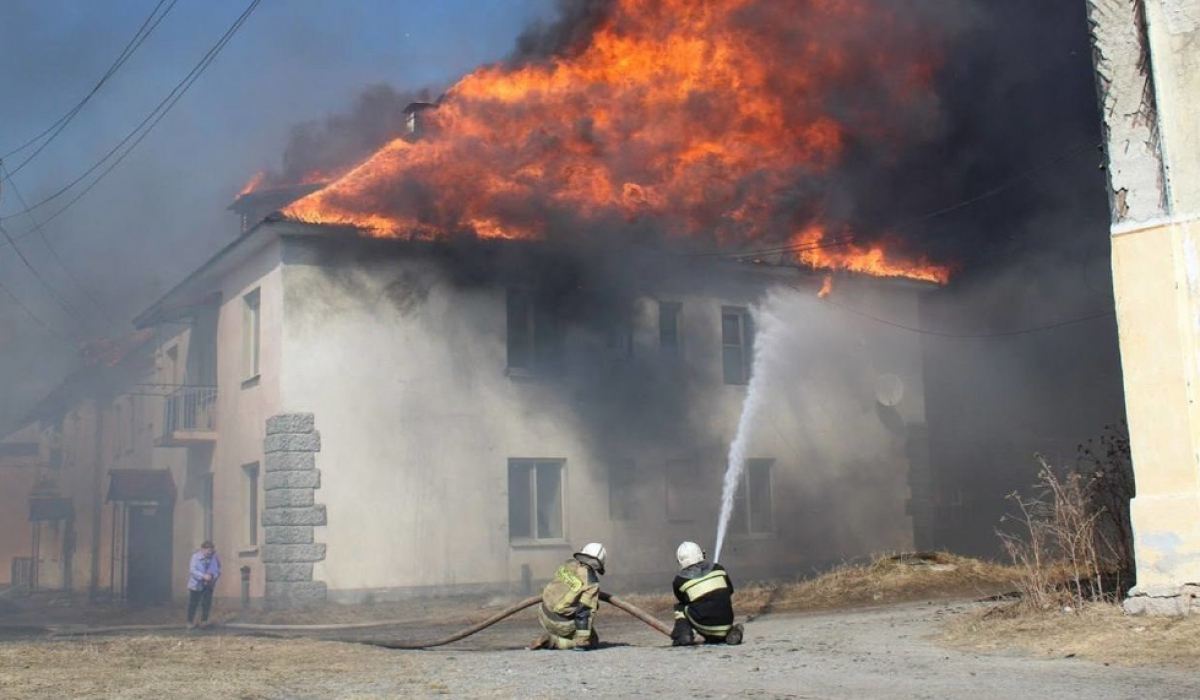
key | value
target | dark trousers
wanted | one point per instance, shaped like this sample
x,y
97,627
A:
x,y
201,598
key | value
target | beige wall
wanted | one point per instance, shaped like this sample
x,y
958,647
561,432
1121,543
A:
x,y
243,405
1153,133
418,420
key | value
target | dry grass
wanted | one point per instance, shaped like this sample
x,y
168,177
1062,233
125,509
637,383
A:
x,y
1099,632
129,668
885,580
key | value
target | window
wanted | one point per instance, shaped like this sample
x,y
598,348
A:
x,y
206,504
737,343
686,494
622,490
668,328
535,499
251,325
620,338
534,334
752,502
251,483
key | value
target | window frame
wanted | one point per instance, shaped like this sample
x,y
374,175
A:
x,y
673,349
744,346
534,467
743,519
251,335
539,346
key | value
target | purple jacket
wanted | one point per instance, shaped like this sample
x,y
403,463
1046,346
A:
x,y
201,566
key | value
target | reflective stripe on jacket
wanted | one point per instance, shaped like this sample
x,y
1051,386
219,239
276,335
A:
x,y
705,595
573,586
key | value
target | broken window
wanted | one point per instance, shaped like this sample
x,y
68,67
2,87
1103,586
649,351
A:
x,y
622,490
752,502
534,334
535,499
737,344
668,328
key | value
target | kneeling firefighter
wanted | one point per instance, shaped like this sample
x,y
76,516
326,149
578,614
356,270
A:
x,y
705,596
570,600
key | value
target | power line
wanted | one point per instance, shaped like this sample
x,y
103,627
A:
x,y
847,240
148,26
29,312
49,246
153,118
997,334
53,291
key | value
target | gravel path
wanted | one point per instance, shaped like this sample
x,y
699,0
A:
x,y
858,655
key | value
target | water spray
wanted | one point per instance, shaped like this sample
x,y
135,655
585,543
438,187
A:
x,y
763,351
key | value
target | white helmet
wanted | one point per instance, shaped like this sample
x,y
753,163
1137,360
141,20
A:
x,y
596,551
689,554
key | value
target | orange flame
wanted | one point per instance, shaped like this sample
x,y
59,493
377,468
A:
x,y
253,183
814,250
826,287
702,115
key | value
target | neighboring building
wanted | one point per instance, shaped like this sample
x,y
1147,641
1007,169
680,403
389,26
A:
x,y
402,418
88,496
1148,73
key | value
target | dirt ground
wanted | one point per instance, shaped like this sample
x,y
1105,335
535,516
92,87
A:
x,y
901,650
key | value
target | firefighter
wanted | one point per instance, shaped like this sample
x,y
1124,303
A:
x,y
570,600
705,596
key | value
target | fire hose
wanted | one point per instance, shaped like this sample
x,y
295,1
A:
x,y
274,630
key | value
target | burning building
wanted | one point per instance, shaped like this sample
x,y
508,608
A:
x,y
530,317
403,417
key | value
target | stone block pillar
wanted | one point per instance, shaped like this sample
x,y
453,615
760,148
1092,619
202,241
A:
x,y
1147,55
291,512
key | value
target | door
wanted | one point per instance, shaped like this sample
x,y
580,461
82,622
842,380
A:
x,y
148,562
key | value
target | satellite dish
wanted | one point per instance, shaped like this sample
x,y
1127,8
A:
x,y
889,389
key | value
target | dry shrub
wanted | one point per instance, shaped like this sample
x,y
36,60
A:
x,y
1062,553
885,579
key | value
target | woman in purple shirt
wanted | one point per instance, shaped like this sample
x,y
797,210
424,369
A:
x,y
203,573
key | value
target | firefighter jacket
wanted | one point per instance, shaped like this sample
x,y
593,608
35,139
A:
x,y
574,588
705,596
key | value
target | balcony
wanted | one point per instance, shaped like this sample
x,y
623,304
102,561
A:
x,y
190,417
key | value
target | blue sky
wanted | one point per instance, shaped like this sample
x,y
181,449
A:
x,y
161,212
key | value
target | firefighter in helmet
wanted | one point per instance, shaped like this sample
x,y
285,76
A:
x,y
705,596
570,600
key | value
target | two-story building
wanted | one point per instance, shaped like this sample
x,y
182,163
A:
x,y
89,495
399,418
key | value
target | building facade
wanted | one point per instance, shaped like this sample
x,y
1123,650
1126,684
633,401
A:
x,y
405,419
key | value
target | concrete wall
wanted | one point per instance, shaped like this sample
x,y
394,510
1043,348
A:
x,y
418,418
1148,55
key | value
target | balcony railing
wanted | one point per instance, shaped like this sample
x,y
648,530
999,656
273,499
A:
x,y
191,414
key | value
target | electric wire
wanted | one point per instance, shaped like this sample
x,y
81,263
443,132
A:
x,y
36,319
144,31
50,246
143,129
54,292
995,334
1008,184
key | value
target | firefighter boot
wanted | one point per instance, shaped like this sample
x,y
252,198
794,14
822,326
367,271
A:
x,y
735,634
682,635
542,642
584,639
